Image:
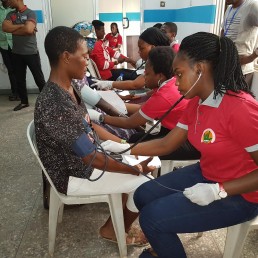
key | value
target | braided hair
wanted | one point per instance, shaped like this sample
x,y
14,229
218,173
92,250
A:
x,y
155,37
222,54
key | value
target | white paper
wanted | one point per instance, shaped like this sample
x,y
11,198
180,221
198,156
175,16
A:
x,y
111,97
131,159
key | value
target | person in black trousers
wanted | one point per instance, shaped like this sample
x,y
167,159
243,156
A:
x,y
6,44
22,24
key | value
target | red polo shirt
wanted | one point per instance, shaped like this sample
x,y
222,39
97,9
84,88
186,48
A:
x,y
160,101
114,41
224,130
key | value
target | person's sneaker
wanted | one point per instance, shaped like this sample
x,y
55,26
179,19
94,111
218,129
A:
x,y
14,98
20,106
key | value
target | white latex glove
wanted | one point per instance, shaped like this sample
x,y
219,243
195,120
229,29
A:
x,y
202,194
94,115
115,146
103,85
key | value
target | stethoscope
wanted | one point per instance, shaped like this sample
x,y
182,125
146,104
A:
x,y
113,155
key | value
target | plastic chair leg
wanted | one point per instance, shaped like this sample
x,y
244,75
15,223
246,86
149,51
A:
x,y
166,166
116,211
46,192
55,205
235,240
60,213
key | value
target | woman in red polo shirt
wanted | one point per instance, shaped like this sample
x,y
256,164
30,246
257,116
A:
x,y
114,38
221,121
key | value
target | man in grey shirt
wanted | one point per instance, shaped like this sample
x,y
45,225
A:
x,y
22,24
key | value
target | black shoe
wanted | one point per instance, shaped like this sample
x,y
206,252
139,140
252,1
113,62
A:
x,y
20,106
14,98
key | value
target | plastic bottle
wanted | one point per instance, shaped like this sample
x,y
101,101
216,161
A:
x,y
120,77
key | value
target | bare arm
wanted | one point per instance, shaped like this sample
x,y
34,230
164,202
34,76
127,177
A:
x,y
19,29
138,83
107,108
247,59
161,146
133,121
8,26
29,28
132,108
104,134
244,184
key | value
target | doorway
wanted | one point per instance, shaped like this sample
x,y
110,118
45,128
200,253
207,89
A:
x,y
127,14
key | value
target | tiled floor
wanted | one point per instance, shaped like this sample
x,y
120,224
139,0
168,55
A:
x,y
24,222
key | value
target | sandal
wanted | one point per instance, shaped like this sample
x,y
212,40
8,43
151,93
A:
x,y
148,253
133,238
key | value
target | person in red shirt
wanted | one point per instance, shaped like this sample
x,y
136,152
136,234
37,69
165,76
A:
x,y
159,78
114,38
170,28
221,121
102,55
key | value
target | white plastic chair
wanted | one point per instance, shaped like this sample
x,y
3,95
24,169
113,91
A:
x,y
93,69
168,165
236,236
57,201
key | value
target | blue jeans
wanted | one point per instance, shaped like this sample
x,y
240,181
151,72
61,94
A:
x,y
164,212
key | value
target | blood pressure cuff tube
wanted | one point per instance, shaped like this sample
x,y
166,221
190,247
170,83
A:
x,y
83,146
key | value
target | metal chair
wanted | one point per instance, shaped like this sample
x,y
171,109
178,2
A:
x,y
236,236
57,201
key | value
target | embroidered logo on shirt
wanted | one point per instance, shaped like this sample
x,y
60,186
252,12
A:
x,y
13,17
208,136
24,18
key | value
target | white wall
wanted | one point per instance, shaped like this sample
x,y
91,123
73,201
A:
x,y
67,12
184,28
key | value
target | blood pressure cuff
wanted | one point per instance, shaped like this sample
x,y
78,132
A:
x,y
83,146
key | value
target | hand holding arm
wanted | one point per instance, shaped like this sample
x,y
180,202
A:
x,y
112,146
103,85
94,115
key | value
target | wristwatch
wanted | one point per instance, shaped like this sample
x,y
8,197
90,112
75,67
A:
x,y
222,193
101,118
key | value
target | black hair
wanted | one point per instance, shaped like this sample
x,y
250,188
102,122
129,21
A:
x,y
157,25
97,24
155,37
161,59
171,26
222,54
114,23
59,40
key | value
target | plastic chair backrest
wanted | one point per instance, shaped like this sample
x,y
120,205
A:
x,y
32,141
94,69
